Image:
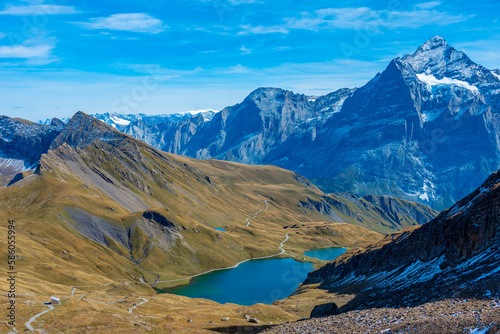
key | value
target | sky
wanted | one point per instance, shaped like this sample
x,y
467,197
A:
x,y
58,57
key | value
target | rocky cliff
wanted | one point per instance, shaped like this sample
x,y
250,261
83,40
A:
x,y
456,254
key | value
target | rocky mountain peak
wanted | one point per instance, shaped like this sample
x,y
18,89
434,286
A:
x,y
436,57
265,95
83,129
57,122
433,43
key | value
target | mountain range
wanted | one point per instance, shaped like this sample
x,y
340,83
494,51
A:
x,y
426,129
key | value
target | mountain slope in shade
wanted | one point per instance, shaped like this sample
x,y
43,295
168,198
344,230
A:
x,y
22,143
455,255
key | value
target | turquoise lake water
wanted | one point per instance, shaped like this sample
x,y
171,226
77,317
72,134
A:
x,y
220,229
256,281
326,254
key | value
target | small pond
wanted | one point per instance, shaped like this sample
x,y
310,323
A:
x,y
326,254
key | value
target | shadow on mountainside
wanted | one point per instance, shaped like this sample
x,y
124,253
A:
x,y
419,294
242,329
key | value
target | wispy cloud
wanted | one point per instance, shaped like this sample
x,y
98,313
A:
x,y
358,18
26,51
135,22
483,51
39,9
236,69
245,50
427,5
257,30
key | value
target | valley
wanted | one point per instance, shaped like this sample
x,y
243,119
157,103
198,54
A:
x,y
190,223
104,213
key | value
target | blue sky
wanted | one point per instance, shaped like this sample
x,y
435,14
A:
x,y
168,56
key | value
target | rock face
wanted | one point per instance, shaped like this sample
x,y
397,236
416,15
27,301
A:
x,y
22,143
246,132
426,129
457,253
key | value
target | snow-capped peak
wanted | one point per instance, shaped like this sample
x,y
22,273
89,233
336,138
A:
x,y
199,111
496,74
433,56
433,43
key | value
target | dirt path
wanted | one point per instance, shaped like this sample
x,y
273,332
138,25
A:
x,y
28,324
130,310
255,215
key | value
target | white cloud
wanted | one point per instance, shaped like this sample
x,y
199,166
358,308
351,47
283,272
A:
x,y
135,22
248,29
427,5
26,51
39,9
358,18
236,69
245,50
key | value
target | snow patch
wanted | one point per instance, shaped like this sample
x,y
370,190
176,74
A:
x,y
206,113
497,75
479,330
119,121
424,197
426,193
339,105
431,80
199,111
16,165
431,116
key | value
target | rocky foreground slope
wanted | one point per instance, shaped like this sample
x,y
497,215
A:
x,y
457,253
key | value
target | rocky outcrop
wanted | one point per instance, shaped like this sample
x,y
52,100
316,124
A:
x,y
82,130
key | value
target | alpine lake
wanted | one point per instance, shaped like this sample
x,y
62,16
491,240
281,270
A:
x,y
255,281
